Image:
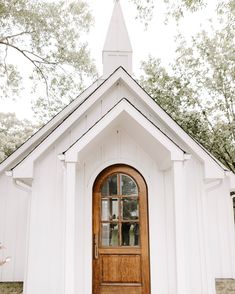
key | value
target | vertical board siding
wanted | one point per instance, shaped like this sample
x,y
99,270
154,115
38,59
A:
x,y
45,257
171,284
219,232
13,226
80,234
208,216
119,147
158,231
194,229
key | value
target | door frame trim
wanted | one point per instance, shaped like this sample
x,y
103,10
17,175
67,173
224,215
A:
x,y
94,181
84,209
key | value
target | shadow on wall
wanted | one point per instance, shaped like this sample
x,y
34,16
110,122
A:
x,y
225,286
11,288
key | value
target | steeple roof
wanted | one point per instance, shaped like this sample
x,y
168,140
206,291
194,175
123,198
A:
x,y
117,49
117,38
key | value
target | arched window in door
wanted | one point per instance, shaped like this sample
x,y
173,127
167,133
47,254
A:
x,y
120,232
119,211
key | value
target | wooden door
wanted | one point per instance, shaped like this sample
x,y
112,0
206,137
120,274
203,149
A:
x,y
120,233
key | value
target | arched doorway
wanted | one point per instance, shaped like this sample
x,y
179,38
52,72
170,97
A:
x,y
120,232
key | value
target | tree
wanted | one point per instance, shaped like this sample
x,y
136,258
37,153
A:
x,y
45,40
198,91
174,8
13,133
145,10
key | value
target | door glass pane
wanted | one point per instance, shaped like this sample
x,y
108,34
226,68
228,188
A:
x,y
136,234
130,234
128,186
130,208
109,209
109,234
109,188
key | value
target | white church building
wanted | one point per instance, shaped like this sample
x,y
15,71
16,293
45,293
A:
x,y
113,196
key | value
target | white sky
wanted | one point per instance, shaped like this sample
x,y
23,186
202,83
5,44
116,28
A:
x,y
158,40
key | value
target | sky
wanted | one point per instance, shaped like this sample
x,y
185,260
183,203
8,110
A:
x,y
158,40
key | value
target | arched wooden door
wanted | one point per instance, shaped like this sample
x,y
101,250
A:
x,y
120,232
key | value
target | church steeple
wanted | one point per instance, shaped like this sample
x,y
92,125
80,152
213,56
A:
x,y
117,49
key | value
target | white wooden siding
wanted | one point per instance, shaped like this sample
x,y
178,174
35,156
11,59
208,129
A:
x,y
208,213
13,227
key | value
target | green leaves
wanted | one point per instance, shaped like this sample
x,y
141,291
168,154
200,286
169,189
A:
x,y
13,133
198,91
174,8
145,10
42,44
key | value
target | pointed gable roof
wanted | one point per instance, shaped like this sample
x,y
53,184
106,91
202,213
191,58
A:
x,y
30,144
117,49
117,38
213,168
117,61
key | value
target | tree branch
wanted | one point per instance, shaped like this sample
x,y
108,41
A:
x,y
223,159
4,60
224,94
31,60
230,157
43,60
17,35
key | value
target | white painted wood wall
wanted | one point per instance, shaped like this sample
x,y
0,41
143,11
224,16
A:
x,y
209,232
14,204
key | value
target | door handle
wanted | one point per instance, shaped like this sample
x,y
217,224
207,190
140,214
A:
x,y
96,244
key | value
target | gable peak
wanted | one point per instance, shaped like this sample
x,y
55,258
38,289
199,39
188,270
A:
x,y
117,49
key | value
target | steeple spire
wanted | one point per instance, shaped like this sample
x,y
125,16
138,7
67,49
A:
x,y
117,49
